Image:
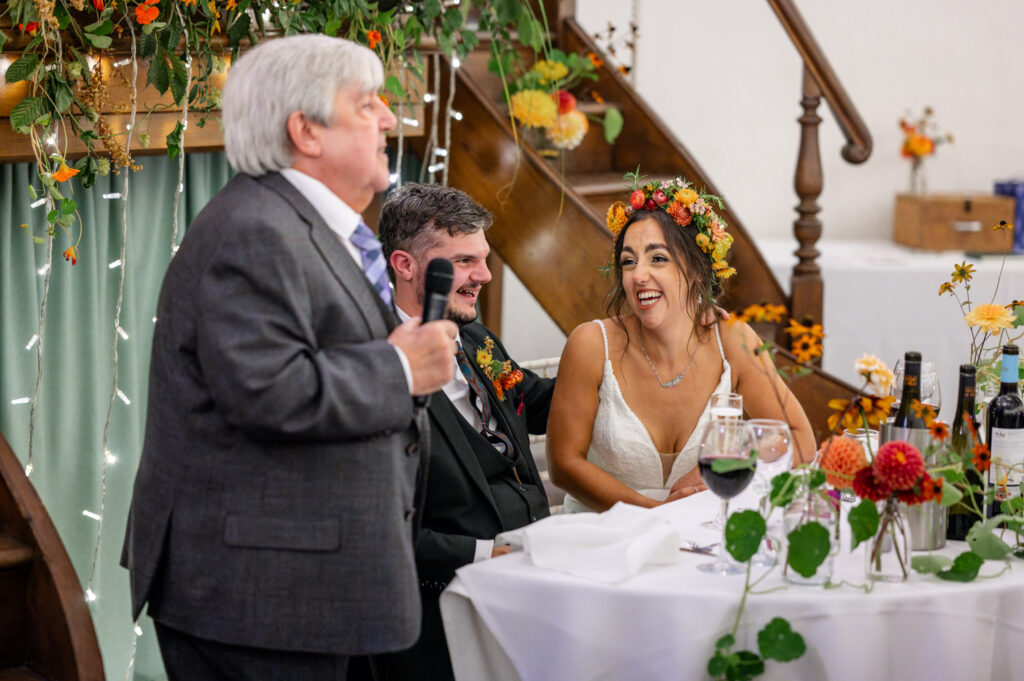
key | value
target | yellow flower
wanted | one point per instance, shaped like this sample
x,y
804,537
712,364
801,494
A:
x,y
534,109
946,288
1004,225
726,273
616,218
963,272
483,357
722,247
806,348
990,317
774,313
703,240
686,196
754,313
550,70
568,130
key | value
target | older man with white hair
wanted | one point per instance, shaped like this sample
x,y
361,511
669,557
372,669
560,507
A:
x,y
272,522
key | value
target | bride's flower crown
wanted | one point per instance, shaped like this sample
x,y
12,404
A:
x,y
686,206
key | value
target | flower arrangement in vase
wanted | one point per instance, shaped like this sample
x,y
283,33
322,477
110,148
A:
x,y
919,142
540,100
989,321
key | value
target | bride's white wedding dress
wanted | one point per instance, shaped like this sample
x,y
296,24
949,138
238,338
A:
x,y
621,445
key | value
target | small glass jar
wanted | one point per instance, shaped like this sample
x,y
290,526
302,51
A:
x,y
805,508
887,556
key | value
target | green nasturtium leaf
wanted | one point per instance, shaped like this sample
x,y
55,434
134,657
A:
x,y
743,534
817,479
394,86
745,665
726,464
863,522
613,124
808,548
964,569
930,564
778,641
782,494
950,495
716,665
983,540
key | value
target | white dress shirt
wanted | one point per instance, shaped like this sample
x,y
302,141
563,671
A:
x,y
341,220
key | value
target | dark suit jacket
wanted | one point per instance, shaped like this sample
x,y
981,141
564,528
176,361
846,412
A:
x,y
274,501
460,508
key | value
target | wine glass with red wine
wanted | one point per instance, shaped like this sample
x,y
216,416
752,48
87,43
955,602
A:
x,y
727,461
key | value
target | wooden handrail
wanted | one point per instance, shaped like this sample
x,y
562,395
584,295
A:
x,y
858,139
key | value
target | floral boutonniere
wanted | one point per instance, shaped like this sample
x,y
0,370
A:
x,y
501,374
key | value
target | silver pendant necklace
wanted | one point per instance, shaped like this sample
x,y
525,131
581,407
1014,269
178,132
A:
x,y
674,381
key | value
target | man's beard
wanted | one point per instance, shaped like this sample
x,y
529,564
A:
x,y
451,314
460,318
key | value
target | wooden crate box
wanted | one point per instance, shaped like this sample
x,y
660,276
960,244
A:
x,y
953,222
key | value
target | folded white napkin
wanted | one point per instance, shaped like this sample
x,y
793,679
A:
x,y
606,547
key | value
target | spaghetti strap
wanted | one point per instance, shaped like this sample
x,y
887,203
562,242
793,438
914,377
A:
x,y
718,337
604,334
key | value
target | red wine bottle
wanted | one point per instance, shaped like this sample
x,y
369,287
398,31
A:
x,y
962,515
907,416
1005,434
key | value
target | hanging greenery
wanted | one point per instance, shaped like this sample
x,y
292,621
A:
x,y
64,50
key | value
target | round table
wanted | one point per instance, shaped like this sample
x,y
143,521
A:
x,y
507,619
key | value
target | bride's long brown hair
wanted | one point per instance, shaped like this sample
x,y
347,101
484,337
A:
x,y
702,286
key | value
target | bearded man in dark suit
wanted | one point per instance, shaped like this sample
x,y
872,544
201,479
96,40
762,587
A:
x,y
483,479
272,522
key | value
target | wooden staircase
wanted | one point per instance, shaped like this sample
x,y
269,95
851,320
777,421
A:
x,y
550,218
46,631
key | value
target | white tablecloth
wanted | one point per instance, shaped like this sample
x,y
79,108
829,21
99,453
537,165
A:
x,y
881,298
506,619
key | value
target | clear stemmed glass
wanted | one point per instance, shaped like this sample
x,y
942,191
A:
x,y
723,407
725,440
931,392
774,445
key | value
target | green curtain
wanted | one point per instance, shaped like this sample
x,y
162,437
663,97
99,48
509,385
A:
x,y
77,364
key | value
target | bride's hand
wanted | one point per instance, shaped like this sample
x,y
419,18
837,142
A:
x,y
683,489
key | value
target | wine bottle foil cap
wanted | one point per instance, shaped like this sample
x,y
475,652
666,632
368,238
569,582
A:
x,y
968,369
912,356
1010,349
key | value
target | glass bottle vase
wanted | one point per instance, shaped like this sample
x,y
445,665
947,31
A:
x,y
887,556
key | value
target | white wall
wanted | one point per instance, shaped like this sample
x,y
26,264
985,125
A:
x,y
726,79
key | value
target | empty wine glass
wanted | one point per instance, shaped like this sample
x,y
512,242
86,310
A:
x,y
726,441
724,406
774,445
931,393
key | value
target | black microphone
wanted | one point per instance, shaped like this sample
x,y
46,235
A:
x,y
437,286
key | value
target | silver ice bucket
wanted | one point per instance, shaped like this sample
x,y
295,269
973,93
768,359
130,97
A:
x,y
927,521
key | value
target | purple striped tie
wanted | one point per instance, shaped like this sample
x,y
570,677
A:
x,y
374,265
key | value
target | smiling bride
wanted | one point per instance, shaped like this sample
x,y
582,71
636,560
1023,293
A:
x,y
634,390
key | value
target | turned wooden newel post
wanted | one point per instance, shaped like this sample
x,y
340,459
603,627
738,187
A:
x,y
806,288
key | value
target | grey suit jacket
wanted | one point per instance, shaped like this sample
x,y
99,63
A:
x,y
274,501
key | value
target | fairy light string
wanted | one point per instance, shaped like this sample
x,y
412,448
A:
x,y
180,187
108,457
434,99
39,347
448,115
